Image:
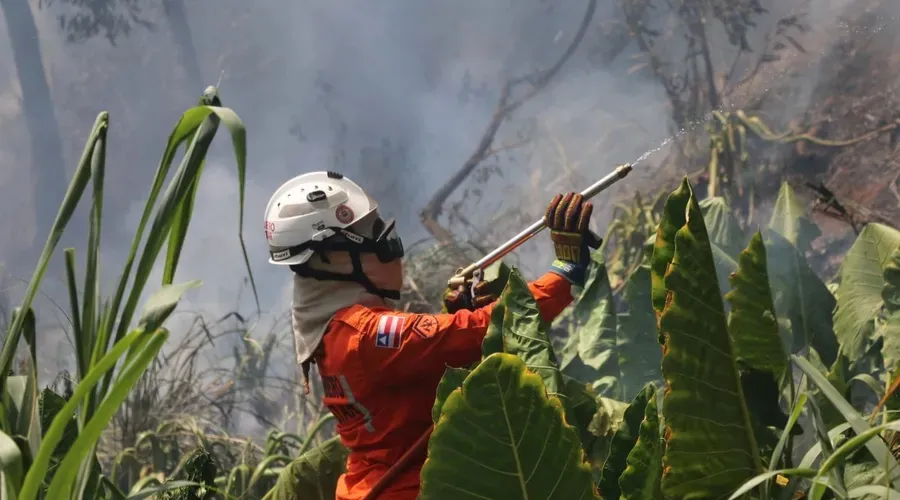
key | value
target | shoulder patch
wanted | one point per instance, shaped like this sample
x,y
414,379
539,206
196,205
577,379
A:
x,y
390,329
425,326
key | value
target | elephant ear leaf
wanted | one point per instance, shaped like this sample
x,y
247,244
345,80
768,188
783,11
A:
x,y
859,295
641,478
890,350
622,443
517,328
639,351
724,229
501,436
801,297
754,332
314,474
789,219
704,407
452,379
590,353
752,321
674,218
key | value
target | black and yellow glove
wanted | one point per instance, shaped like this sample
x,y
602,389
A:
x,y
567,217
456,300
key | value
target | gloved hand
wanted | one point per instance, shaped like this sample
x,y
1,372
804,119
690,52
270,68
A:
x,y
456,300
568,216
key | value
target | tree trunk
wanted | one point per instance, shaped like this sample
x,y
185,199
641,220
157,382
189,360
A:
x,y
181,32
48,177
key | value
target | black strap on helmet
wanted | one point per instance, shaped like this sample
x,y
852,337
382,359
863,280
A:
x,y
344,240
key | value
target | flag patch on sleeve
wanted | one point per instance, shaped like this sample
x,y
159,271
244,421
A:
x,y
389,330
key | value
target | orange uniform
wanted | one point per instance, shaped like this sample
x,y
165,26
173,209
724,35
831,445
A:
x,y
381,369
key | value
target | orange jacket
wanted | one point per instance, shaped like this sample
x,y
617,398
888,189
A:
x,y
380,371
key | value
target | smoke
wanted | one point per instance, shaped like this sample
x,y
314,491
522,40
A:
x,y
393,94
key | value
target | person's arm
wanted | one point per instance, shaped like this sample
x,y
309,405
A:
x,y
396,346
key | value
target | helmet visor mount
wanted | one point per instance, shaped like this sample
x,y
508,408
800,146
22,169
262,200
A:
x,y
388,245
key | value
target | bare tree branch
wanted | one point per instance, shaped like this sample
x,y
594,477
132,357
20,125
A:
x,y
505,105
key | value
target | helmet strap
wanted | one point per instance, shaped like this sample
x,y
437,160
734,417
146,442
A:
x,y
357,276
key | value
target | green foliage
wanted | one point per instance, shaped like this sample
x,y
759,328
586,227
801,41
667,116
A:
x,y
517,328
623,442
725,363
641,479
752,323
501,435
313,475
859,294
49,442
706,412
680,301
890,330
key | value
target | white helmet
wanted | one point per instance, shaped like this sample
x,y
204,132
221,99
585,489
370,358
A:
x,y
324,211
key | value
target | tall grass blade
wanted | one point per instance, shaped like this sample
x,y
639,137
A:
x,y
81,358
66,209
91,294
54,434
877,447
87,439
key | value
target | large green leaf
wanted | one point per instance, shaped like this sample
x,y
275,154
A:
x,y
517,328
756,340
450,381
641,478
581,406
890,294
704,408
801,297
752,323
607,420
861,283
501,436
590,352
789,219
314,475
622,443
639,351
674,218
723,228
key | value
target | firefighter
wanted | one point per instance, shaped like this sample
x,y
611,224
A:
x,y
380,367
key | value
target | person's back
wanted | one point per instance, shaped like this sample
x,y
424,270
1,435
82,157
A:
x,y
380,368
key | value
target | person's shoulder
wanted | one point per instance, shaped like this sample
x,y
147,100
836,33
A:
x,y
382,320
364,318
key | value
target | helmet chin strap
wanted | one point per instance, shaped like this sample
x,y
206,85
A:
x,y
357,276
